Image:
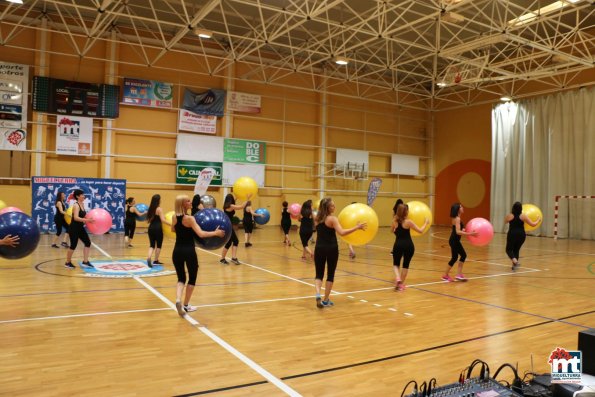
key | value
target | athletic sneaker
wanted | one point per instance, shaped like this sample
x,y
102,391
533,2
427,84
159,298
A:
x,y
460,277
190,308
236,261
224,262
180,309
149,263
86,264
63,244
398,285
248,244
69,265
55,246
447,278
401,287
130,246
514,267
318,301
157,263
327,303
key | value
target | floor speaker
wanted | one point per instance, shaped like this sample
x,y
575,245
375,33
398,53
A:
x,y
586,344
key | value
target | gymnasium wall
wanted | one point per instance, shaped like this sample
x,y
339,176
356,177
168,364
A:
x,y
300,127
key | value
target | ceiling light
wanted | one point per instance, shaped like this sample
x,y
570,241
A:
x,y
15,1
532,15
505,98
441,84
453,17
341,60
203,33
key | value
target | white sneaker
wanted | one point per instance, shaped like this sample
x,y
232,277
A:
x,y
190,308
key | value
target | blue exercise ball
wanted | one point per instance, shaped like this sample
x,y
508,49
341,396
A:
x,y
142,208
22,225
208,220
265,218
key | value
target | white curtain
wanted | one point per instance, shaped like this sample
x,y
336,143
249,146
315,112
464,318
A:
x,y
541,148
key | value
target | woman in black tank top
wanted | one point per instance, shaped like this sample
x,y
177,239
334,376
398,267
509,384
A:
x,y
156,220
403,247
77,230
248,222
130,220
230,207
516,232
326,251
306,228
286,223
456,248
59,220
186,229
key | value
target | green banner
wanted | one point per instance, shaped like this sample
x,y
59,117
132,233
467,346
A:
x,y
188,171
241,151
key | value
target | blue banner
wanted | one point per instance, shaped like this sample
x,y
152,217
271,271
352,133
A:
x,y
109,194
210,102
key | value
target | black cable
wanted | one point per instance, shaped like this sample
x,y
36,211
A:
x,y
414,389
484,367
423,388
517,383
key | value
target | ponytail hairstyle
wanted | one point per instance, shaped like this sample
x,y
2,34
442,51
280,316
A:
x,y
402,213
396,207
323,209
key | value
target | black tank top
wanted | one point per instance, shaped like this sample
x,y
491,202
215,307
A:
x,y
285,216
230,214
82,214
402,234
326,236
248,218
130,217
516,225
453,234
184,235
58,213
307,225
156,221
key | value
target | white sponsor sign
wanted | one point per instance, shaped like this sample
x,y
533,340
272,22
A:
x,y
190,121
242,102
14,80
74,135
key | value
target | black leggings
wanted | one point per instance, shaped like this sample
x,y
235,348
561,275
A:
x,y
233,240
248,227
79,234
456,249
286,227
129,227
305,237
405,251
155,237
60,223
328,255
514,242
185,254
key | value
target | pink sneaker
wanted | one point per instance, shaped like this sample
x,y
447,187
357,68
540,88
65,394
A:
x,y
461,277
401,287
398,284
447,278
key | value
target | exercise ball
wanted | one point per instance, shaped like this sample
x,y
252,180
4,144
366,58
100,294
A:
x,y
2,204
418,213
294,210
356,213
68,215
265,218
167,228
484,229
102,221
22,225
243,187
142,208
6,210
208,201
208,220
532,212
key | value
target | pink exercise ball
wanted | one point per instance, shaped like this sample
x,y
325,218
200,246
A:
x,y
103,221
6,210
294,210
484,229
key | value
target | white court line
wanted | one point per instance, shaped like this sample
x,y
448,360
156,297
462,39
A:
x,y
98,248
80,315
257,368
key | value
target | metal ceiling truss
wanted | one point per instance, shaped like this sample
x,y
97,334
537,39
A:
x,y
435,54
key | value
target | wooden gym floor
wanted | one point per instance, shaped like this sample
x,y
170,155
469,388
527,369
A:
x,y
258,331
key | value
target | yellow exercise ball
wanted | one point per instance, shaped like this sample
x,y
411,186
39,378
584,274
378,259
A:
x,y
356,213
418,212
532,212
245,186
2,204
68,215
167,228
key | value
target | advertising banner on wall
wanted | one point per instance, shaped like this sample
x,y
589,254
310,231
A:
x,y
243,151
242,102
74,135
209,102
14,86
187,172
149,93
190,121
109,194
